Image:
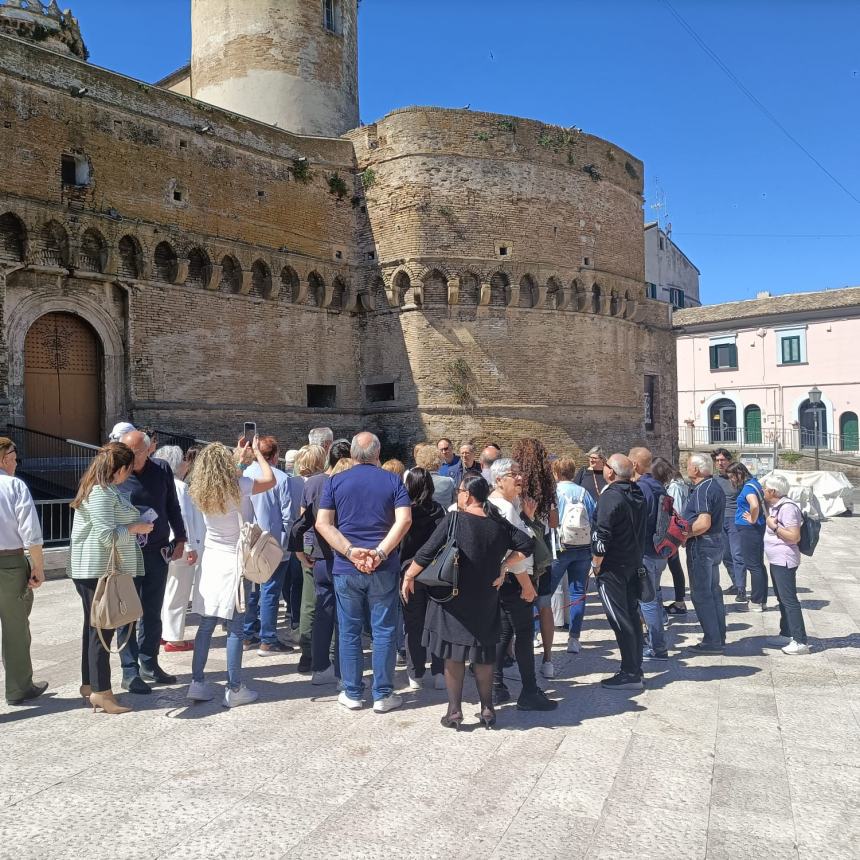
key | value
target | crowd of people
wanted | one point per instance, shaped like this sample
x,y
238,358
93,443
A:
x,y
356,534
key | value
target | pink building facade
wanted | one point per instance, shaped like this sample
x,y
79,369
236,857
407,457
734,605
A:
x,y
745,370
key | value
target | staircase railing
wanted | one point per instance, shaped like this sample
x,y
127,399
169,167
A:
x,y
50,464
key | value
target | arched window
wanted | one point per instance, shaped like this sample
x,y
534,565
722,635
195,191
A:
x,y
12,237
231,275
316,290
129,257
338,291
577,290
528,292
499,290
289,283
435,288
53,245
613,304
723,421
752,425
596,300
93,254
806,416
199,269
403,292
261,280
849,437
553,294
164,263
470,289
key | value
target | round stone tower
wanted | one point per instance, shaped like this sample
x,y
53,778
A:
x,y
293,63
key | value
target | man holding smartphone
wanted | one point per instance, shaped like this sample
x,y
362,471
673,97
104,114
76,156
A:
x,y
19,529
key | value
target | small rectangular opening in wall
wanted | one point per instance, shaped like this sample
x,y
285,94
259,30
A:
x,y
586,261
371,255
117,125
183,144
338,255
177,195
503,250
7,125
74,170
322,396
379,392
261,193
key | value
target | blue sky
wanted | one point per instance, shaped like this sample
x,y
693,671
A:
x,y
749,208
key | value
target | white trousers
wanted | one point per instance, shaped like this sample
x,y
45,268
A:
x,y
180,581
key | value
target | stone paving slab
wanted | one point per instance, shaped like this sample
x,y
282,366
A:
x,y
750,755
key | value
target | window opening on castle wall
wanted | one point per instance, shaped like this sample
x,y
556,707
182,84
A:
x,y
12,237
380,392
332,16
322,396
74,170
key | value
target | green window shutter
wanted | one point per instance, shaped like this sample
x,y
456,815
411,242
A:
x,y
733,355
713,351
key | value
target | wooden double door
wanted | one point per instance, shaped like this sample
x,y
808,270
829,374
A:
x,y
63,378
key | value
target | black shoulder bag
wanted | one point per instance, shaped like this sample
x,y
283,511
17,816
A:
x,y
444,570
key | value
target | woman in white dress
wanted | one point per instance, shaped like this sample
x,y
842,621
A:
x,y
221,493
181,573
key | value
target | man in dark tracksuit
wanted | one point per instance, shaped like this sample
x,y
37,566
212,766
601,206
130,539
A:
x,y
617,546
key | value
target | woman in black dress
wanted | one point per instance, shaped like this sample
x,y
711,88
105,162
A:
x,y
426,515
466,628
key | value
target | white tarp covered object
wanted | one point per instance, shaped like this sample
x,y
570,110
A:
x,y
819,494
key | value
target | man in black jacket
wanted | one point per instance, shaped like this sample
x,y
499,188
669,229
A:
x,y
617,546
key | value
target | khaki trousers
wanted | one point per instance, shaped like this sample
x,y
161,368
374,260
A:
x,y
16,601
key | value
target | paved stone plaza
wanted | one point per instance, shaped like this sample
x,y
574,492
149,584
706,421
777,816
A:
x,y
754,754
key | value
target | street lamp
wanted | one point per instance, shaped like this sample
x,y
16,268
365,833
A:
x,y
815,403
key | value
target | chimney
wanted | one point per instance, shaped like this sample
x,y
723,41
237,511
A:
x,y
764,294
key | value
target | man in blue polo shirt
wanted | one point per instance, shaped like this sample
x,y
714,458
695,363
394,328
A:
x,y
704,511
364,513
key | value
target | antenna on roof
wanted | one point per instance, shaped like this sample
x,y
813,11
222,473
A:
x,y
661,206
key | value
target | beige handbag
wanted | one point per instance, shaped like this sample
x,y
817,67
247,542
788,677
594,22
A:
x,y
258,555
115,603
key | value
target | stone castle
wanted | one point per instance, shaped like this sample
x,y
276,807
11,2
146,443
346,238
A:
x,y
230,244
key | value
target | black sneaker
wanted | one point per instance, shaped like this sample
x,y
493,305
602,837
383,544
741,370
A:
x,y
623,681
536,701
401,657
701,648
732,589
136,685
655,655
305,663
156,675
741,597
501,694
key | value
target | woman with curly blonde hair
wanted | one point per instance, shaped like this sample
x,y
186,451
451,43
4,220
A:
x,y
223,497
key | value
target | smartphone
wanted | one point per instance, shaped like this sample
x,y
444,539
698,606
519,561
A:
x,y
250,431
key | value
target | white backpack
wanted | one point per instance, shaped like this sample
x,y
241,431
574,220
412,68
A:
x,y
575,526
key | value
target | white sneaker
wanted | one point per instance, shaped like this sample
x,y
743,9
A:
x,y
327,676
242,696
199,691
512,672
795,648
573,646
757,607
414,683
538,642
547,669
389,703
352,704
439,682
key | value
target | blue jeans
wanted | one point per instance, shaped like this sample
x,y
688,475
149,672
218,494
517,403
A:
x,y
652,612
261,613
752,546
575,562
356,594
203,640
790,613
733,554
703,568
324,631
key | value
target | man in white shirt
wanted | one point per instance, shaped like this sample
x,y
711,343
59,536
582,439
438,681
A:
x,y
19,529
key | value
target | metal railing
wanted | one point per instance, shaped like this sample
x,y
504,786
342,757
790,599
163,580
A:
x,y
183,440
55,515
50,464
790,438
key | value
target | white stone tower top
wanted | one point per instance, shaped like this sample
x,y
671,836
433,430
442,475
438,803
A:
x,y
293,63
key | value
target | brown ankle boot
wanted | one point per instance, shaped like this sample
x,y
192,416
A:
x,y
106,702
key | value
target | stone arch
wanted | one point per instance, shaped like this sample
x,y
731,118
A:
x,y
577,295
554,294
378,295
199,268
165,263
614,304
470,288
528,292
338,294
596,299
316,290
130,258
231,275
53,246
402,289
13,237
107,328
500,285
261,280
434,288
629,305
290,283
93,251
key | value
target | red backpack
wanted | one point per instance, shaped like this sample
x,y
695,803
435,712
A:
x,y
671,532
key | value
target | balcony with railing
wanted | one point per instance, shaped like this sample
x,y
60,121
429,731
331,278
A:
x,y
692,436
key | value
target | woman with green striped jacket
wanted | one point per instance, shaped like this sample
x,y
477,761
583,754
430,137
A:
x,y
104,519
